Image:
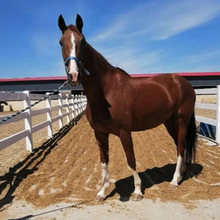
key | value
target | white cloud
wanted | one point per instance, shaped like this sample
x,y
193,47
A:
x,y
177,18
160,20
204,57
205,61
124,42
132,59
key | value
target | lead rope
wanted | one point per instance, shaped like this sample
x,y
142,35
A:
x,y
32,105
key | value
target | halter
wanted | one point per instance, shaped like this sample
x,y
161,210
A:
x,y
79,64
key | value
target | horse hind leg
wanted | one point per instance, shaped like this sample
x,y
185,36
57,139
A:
x,y
127,144
186,146
102,140
171,126
181,156
177,132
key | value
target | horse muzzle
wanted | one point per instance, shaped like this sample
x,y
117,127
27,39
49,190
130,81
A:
x,y
74,70
73,79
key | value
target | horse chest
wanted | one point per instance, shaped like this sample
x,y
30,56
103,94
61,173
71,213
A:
x,y
101,123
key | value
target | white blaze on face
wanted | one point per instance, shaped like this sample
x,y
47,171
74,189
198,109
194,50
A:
x,y
73,69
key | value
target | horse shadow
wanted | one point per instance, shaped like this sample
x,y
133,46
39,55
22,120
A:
x,y
150,177
10,181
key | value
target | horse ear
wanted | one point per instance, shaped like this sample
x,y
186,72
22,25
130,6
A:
x,y
79,23
61,23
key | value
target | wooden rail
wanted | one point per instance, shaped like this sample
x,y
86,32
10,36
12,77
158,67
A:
x,y
74,105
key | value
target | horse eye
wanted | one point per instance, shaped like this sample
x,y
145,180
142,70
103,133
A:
x,y
61,43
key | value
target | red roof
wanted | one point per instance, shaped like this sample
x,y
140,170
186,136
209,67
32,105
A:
x,y
33,79
54,78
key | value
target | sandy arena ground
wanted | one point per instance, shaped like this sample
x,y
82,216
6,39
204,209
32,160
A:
x,y
60,179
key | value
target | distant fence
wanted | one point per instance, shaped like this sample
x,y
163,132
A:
x,y
74,105
210,106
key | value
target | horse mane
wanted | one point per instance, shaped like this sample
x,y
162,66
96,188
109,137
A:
x,y
123,71
99,54
108,65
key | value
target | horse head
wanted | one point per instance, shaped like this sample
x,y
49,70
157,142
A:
x,y
73,47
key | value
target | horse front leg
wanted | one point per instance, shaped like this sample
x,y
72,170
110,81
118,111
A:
x,y
102,140
127,144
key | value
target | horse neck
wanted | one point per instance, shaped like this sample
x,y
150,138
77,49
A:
x,y
101,72
96,63
97,83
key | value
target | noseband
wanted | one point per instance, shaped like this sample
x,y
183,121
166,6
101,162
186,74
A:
x,y
79,64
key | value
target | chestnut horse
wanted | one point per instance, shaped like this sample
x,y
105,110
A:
x,y
119,104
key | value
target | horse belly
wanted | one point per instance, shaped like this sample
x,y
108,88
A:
x,y
148,116
149,122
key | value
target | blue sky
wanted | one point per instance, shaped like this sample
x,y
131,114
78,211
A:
x,y
142,36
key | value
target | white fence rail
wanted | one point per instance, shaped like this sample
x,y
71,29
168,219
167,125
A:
x,y
209,106
73,105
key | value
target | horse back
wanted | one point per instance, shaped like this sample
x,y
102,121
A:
x,y
148,102
158,98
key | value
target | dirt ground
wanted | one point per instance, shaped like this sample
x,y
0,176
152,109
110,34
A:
x,y
64,174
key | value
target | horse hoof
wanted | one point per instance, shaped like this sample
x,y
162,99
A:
x,y
99,198
174,183
137,197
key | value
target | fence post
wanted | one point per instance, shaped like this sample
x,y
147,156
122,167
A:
x,y
28,122
76,106
72,106
49,116
218,115
67,109
60,110
80,103
84,103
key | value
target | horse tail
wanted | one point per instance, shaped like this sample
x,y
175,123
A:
x,y
191,139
